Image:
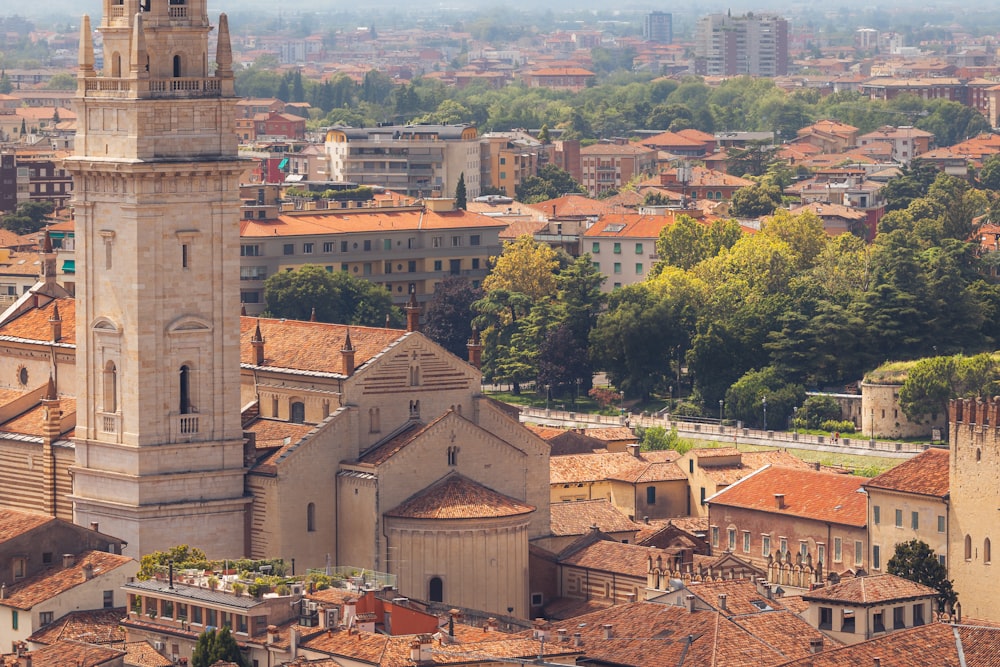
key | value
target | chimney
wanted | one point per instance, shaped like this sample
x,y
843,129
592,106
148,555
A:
x,y
475,349
563,634
69,560
630,597
878,661
257,342
3,591
577,639
272,634
689,600
767,592
312,315
816,645
609,631
412,313
88,572
24,660
723,602
492,625
347,355
55,323
779,501
293,642
634,450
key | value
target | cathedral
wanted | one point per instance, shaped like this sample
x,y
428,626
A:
x,y
148,406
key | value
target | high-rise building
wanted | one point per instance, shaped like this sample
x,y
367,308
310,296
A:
x,y
753,44
658,27
159,443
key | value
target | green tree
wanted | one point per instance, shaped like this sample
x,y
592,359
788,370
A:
x,y
657,438
29,217
5,84
448,316
551,182
989,175
215,645
747,398
461,197
803,233
179,555
62,81
952,122
526,267
753,160
913,181
755,201
932,382
336,296
916,561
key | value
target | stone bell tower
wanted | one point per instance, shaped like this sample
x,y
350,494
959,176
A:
x,y
159,449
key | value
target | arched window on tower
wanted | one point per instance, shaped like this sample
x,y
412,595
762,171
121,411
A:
x,y
987,551
297,413
311,517
110,387
185,390
177,66
116,65
435,590
968,547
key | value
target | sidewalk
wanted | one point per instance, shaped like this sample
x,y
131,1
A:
x,y
730,434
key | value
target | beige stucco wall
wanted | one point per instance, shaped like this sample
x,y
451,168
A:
x,y
880,411
885,534
864,618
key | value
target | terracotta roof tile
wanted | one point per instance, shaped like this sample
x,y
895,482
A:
x,y
14,524
615,149
874,589
30,421
142,654
932,645
601,466
610,556
312,346
384,450
101,626
750,462
274,439
576,518
458,497
811,494
50,583
612,433
33,324
925,474
572,206
363,220
74,653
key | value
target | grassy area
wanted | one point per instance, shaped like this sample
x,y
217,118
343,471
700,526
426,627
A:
x,y
858,464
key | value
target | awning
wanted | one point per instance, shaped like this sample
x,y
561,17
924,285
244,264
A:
x,y
69,266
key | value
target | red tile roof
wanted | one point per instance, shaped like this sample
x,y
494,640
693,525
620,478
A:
x,y
610,556
52,582
458,497
363,220
623,466
576,518
14,524
34,324
312,346
809,494
101,626
74,653
925,474
875,589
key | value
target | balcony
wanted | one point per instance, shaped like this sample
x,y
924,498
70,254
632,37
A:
x,y
184,428
103,86
110,425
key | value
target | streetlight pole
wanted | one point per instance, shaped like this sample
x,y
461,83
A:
x,y
763,402
872,420
720,412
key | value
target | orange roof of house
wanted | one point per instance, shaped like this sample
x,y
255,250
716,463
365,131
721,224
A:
x,y
100,626
340,221
30,422
925,474
576,518
52,582
561,71
34,324
809,494
631,225
75,653
671,139
613,556
572,205
615,149
458,497
621,466
875,589
14,524
311,346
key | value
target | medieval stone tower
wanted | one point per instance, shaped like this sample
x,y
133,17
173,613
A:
x,y
159,453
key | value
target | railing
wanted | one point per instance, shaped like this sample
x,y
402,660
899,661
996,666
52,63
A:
x,y
110,425
180,12
188,424
103,86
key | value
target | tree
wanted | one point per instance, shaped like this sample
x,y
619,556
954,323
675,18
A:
x,y
656,438
28,218
747,398
336,297
448,315
932,382
215,645
913,181
914,560
755,201
803,233
525,266
179,555
754,160
551,182
461,198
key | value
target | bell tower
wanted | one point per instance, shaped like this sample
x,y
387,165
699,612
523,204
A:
x,y
159,446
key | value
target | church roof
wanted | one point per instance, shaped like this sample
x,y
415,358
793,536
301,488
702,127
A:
x,y
458,497
33,324
311,347
273,439
30,422
384,450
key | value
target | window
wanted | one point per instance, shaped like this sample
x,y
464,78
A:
x,y
456,241
47,558
411,266
942,559
638,248
474,239
765,545
746,542
876,557
859,552
386,267
241,624
289,249
109,599
311,517
250,251
617,249
826,618
182,612
438,265
368,245
878,622
638,269
386,244
185,255
820,553
898,618
253,272
987,555
596,248
803,549
185,390
537,599
847,621
45,617
703,495
435,590
110,387
650,495
328,246
343,246
838,555
618,267
915,520
783,545
437,242
211,617
475,263
940,521
918,614
731,539
715,536
13,619
597,266
307,248
297,412
899,518
452,455
968,547
876,514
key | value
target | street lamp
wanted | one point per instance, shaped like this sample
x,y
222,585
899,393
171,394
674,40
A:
x,y
671,390
872,420
548,391
763,402
795,414
720,412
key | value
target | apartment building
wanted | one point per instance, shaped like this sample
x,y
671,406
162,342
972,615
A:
x,y
407,249
610,165
658,27
416,160
752,44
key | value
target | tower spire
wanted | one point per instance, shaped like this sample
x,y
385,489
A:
x,y
138,60
86,61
